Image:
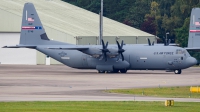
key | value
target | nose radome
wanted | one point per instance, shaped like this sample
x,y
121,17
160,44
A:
x,y
191,61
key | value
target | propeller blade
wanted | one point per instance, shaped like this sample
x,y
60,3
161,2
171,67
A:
x,y
118,44
153,43
122,56
103,43
101,57
149,42
105,56
122,44
104,50
169,41
166,43
106,45
120,50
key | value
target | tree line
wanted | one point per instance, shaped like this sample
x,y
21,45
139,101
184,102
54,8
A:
x,y
156,17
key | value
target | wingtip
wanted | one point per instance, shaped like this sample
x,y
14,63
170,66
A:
x,y
4,46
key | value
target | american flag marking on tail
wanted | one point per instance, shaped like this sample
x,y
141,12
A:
x,y
30,19
197,23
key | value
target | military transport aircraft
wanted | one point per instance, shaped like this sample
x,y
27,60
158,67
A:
x,y
104,58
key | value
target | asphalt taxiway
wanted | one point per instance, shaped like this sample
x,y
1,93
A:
x,y
61,83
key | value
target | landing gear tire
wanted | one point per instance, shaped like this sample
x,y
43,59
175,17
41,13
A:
x,y
177,71
123,70
100,71
115,71
109,72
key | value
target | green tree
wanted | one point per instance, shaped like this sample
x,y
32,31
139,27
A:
x,y
182,33
160,15
138,10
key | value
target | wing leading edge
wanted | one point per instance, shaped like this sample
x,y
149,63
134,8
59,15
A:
x,y
193,49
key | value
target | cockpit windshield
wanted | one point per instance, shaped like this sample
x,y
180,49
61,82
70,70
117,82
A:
x,y
182,51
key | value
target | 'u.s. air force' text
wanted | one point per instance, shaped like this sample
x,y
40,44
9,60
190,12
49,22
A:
x,y
163,53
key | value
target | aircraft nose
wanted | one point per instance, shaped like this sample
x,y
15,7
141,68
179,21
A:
x,y
191,61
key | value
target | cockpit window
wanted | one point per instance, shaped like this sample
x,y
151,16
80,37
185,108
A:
x,y
180,51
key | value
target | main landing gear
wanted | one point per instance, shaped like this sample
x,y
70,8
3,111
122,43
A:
x,y
123,70
114,71
177,71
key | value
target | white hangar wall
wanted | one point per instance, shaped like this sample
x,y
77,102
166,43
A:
x,y
10,35
15,55
62,22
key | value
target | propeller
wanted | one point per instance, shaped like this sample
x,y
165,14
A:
x,y
104,50
149,42
166,42
169,41
120,50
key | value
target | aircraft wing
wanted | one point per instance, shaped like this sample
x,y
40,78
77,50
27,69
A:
x,y
193,49
87,50
174,44
92,51
70,48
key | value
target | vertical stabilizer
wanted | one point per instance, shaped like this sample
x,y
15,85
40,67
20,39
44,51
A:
x,y
194,32
32,31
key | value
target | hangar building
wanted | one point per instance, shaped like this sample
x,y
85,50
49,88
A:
x,y
63,22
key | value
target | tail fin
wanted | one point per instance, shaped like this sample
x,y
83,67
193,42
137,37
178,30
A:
x,y
32,31
194,32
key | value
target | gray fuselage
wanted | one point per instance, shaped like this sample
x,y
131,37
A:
x,y
137,57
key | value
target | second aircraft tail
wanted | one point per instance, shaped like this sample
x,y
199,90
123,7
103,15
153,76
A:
x,y
194,31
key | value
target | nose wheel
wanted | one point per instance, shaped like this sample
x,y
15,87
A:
x,y
177,71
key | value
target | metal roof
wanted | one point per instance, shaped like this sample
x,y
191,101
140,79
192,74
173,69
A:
x,y
71,19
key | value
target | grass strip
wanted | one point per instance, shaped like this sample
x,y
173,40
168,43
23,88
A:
x,y
172,92
97,106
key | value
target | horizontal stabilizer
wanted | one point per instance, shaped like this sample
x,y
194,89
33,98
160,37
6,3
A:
x,y
21,46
